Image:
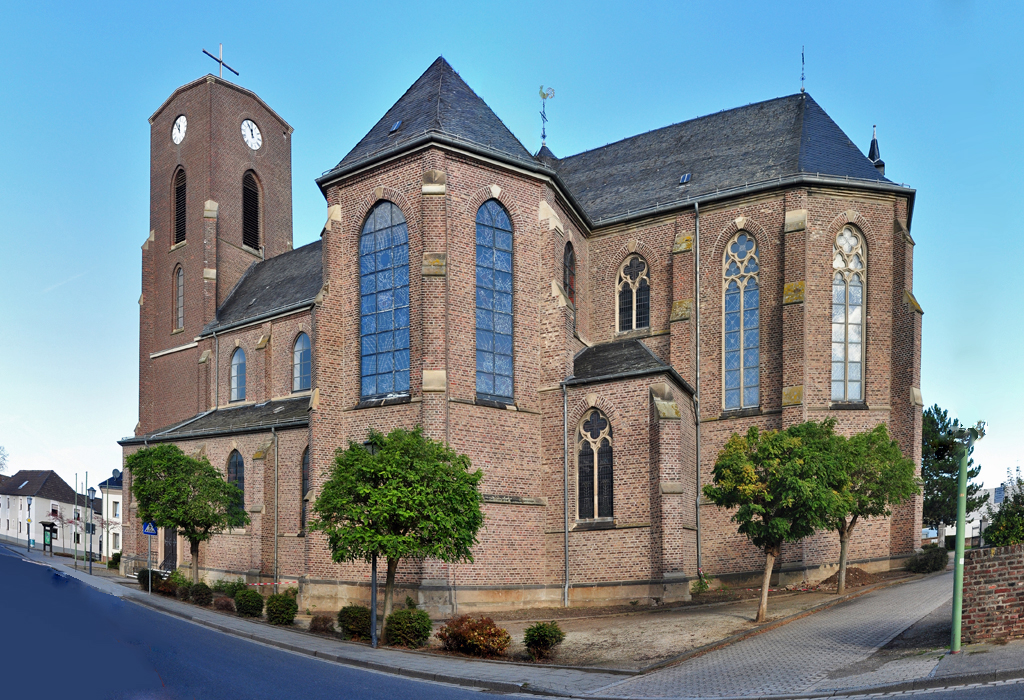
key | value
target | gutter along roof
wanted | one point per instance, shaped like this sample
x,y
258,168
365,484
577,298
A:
x,y
251,418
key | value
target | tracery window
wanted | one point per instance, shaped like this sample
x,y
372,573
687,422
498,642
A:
x,y
179,298
493,302
569,273
238,375
305,489
849,260
594,439
250,212
179,207
384,302
742,323
301,364
634,289
236,474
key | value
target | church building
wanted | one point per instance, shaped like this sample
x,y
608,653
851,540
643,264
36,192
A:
x,y
589,330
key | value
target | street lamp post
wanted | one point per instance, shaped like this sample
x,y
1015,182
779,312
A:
x,y
973,434
90,525
28,526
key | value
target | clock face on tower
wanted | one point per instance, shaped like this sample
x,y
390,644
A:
x,y
251,135
178,130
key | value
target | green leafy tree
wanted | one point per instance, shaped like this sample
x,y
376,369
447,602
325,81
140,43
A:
x,y
187,494
1007,525
780,491
409,496
941,449
874,477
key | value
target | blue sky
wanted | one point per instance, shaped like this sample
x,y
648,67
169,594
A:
x,y
941,79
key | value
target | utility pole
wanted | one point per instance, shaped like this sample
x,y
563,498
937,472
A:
x,y
973,434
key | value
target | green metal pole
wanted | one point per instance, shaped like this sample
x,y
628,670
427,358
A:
x,y
958,557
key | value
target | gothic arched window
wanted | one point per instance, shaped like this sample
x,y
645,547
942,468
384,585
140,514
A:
x,y
305,489
301,363
493,302
238,375
634,289
236,474
849,260
179,207
742,323
569,273
250,212
384,301
594,439
179,298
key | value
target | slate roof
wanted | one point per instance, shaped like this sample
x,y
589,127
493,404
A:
x,y
259,417
41,484
441,103
272,285
619,359
747,145
113,483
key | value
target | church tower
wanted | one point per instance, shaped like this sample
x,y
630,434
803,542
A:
x,y
220,200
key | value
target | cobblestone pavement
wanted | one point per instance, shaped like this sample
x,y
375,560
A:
x,y
797,657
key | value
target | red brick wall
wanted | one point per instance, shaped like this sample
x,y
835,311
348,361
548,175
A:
x,y
993,593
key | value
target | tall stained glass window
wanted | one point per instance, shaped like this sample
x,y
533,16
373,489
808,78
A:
x,y
594,467
634,290
569,273
493,302
238,375
236,476
849,262
179,298
384,302
742,323
301,365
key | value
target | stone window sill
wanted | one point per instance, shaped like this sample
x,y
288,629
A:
x,y
848,406
596,524
740,413
507,404
384,401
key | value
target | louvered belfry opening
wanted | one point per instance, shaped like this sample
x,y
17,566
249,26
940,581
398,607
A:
x,y
250,212
179,207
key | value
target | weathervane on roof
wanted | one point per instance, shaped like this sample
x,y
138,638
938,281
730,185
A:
x,y
545,95
221,61
801,69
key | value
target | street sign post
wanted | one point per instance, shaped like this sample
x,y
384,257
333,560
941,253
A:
x,y
149,529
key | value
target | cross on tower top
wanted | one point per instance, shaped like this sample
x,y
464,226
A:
x,y
221,61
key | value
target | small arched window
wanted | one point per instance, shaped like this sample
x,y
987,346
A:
x,y
384,301
569,273
849,261
301,363
742,323
493,302
236,474
179,298
634,289
238,375
250,212
305,489
594,440
179,207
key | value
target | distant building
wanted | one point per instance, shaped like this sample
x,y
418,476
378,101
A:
x,y
53,501
111,508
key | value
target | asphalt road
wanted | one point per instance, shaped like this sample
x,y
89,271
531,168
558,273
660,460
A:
x,y
62,638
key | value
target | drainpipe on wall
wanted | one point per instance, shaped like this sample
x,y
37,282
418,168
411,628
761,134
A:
x,y
565,486
696,396
277,502
216,363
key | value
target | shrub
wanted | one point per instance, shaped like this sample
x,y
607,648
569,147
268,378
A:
x,y
225,604
950,542
184,593
409,602
928,561
354,621
408,628
475,637
143,578
322,623
201,594
293,592
699,586
249,603
229,588
115,560
542,637
179,579
165,587
1007,526
281,609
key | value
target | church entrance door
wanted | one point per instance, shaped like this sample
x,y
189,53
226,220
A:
x,y
170,560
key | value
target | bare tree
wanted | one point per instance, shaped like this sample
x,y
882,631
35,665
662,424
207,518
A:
x,y
3,459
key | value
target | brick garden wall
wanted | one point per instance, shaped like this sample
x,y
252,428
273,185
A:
x,y
993,593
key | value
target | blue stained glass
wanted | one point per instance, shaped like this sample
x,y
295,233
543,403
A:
x,y
366,265
503,281
484,361
402,276
485,277
750,396
485,319
485,341
485,255
484,383
400,255
368,324
751,338
402,317
502,386
501,218
484,298
732,341
385,362
503,302
369,385
838,371
750,297
384,280
503,344
750,377
732,270
732,322
385,382
484,236
401,297
402,338
502,261
369,344
732,379
732,360
385,343
383,259
401,359
402,380
732,302
385,319
365,245
399,235
367,284
368,304
503,323
742,318
494,300
751,267
385,301
750,319
383,240
503,240
503,365
855,294
751,357
369,365
732,398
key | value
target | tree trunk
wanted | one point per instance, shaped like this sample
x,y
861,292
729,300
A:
x,y
844,546
389,594
769,563
194,548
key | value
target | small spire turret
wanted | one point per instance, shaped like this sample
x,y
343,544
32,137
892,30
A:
x,y
873,153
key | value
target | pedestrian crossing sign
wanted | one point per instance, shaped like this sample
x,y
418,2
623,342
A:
x,y
148,529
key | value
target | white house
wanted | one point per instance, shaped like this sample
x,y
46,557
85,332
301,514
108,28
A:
x,y
33,497
110,525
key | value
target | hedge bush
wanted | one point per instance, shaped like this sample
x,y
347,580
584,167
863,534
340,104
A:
x,y
229,588
281,609
408,628
479,637
249,603
542,637
928,561
184,592
322,623
201,594
115,560
143,578
354,621
225,604
166,587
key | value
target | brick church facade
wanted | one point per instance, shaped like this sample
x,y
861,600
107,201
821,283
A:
x,y
589,330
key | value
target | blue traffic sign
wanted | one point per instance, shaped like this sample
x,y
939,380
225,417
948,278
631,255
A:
x,y
148,529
